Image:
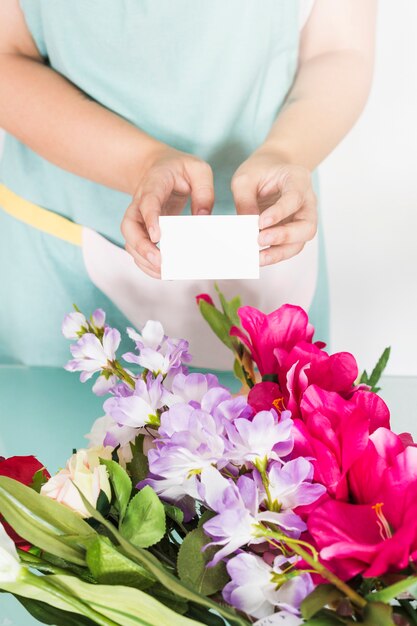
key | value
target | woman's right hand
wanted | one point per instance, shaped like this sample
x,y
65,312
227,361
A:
x,y
168,180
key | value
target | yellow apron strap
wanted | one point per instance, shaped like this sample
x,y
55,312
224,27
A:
x,y
37,217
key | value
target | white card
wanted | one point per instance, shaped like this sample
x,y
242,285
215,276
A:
x,y
200,247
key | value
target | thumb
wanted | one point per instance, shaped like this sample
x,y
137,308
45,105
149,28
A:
x,y
245,194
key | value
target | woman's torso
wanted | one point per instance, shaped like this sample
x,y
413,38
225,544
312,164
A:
x,y
207,77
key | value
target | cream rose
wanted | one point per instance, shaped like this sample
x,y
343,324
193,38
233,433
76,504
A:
x,y
83,470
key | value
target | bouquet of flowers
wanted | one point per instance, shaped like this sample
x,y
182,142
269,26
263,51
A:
x,y
292,502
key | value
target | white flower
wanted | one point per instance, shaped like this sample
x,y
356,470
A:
x,y
10,566
105,432
83,470
73,324
152,335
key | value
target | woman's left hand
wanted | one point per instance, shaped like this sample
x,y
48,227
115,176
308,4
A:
x,y
283,195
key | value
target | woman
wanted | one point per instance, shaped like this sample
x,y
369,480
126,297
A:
x,y
146,104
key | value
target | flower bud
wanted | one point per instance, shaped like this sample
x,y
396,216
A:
x,y
74,325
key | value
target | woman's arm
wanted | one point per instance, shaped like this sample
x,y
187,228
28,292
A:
x,y
333,81
330,90
59,122
54,118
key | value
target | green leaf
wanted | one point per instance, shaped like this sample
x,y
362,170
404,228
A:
x,y
376,374
144,524
239,371
205,517
377,614
122,486
230,309
321,596
393,591
205,617
218,322
174,513
43,522
174,602
108,566
192,564
38,480
168,580
138,468
116,605
47,614
124,605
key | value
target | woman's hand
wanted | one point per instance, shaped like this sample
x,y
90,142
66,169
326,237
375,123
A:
x,y
168,180
283,195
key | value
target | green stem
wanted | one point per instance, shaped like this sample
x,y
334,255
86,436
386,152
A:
x,y
265,482
42,566
45,584
409,610
121,373
318,567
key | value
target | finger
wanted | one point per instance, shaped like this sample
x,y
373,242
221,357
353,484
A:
x,y
288,204
151,198
245,196
275,254
137,238
202,187
143,264
298,231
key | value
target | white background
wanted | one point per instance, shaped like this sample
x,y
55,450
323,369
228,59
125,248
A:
x,y
369,201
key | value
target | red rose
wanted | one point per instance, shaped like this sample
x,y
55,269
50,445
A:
x,y
22,469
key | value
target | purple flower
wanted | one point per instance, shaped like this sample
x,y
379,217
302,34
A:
x,y
140,406
192,388
290,484
74,325
98,318
257,589
91,355
262,438
238,515
157,352
190,440
104,384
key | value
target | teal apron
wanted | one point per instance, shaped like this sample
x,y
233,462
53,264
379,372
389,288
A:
x,y
207,77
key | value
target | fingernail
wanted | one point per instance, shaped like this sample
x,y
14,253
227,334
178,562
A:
x,y
152,232
203,212
265,259
152,258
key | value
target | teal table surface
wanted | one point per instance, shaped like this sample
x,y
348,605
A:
x,y
47,412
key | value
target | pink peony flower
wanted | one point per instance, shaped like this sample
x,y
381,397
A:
x,y
333,432
265,396
307,365
376,532
270,337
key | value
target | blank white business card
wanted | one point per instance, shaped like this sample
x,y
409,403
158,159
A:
x,y
205,247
